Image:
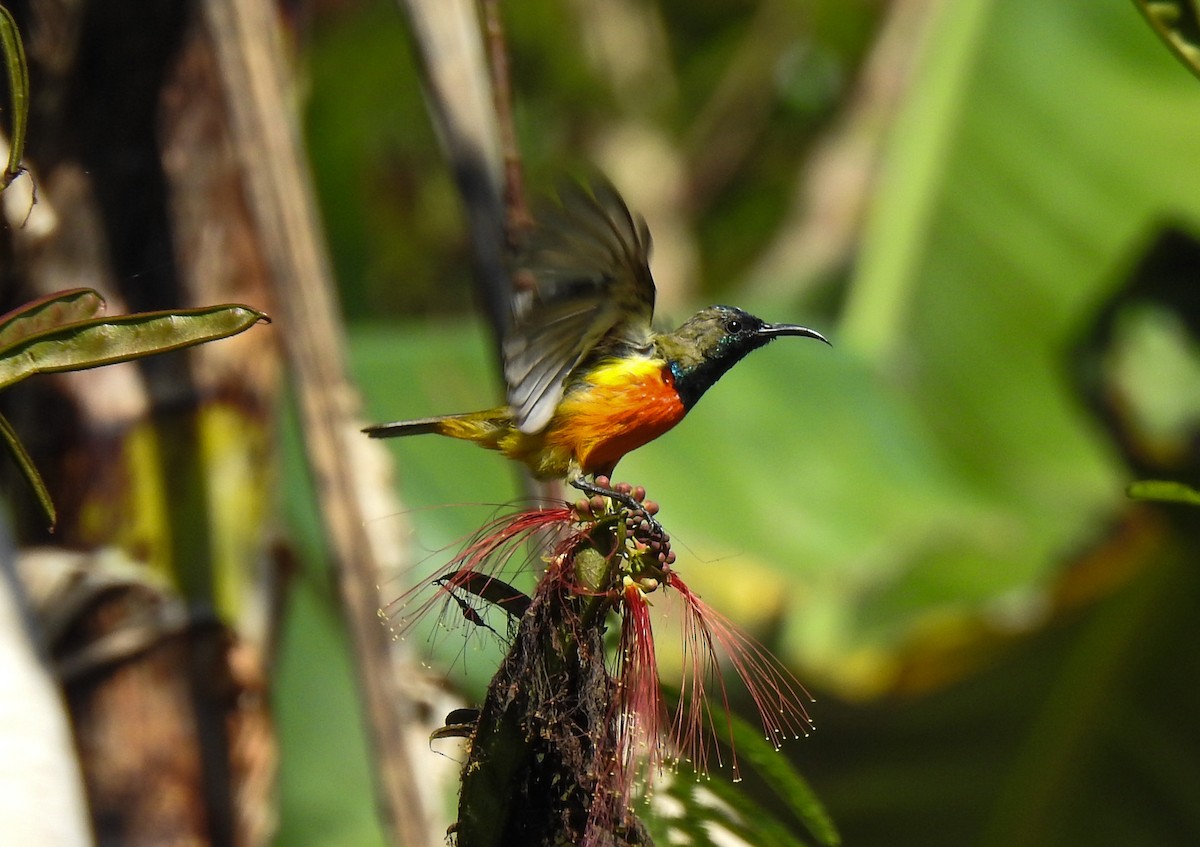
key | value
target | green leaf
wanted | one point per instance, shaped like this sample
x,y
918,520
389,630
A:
x,y
28,470
715,801
49,312
716,812
774,768
90,344
18,90
1074,734
1023,178
1164,491
1177,22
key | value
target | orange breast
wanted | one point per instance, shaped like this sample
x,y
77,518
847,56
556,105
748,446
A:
x,y
619,407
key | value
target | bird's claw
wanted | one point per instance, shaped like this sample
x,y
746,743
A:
x,y
640,521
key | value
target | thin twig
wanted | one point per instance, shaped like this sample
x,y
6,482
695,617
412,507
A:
x,y
517,218
457,93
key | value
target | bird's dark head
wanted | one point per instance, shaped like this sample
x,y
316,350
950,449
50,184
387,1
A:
x,y
714,340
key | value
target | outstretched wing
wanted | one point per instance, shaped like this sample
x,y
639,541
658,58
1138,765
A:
x,y
588,261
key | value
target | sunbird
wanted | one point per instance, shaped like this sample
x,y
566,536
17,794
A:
x,y
589,379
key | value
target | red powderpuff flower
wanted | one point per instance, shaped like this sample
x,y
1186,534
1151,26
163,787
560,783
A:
x,y
708,637
777,695
476,568
642,744
600,562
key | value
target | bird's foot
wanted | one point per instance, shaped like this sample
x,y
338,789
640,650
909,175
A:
x,y
640,521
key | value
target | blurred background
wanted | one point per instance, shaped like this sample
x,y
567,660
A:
x,y
991,208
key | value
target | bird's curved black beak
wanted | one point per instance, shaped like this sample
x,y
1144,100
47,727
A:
x,y
777,330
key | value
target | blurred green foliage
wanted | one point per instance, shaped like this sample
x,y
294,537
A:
x,y
928,521
773,72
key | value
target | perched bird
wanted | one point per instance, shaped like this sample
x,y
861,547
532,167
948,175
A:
x,y
588,378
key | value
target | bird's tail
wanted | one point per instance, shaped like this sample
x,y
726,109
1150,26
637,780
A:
x,y
485,427
396,429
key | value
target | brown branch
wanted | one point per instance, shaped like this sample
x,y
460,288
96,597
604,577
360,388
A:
x,y
256,83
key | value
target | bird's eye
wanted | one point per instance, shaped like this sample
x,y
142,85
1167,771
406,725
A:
x,y
733,326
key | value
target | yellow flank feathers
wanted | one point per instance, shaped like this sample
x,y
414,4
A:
x,y
617,406
613,373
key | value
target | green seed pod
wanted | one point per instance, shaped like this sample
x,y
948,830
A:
x,y
591,569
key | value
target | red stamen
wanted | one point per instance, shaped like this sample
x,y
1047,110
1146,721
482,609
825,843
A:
x,y
640,718
489,552
777,694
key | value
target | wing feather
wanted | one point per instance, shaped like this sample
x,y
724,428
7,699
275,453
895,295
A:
x,y
592,294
